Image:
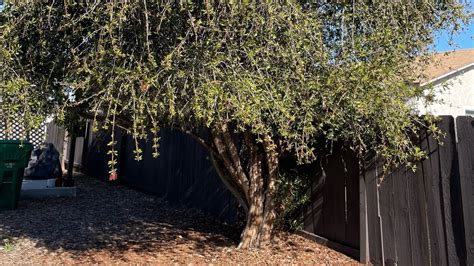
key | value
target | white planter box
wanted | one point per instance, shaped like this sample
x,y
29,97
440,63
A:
x,y
38,184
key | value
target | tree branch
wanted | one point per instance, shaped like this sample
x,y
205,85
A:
x,y
227,161
230,183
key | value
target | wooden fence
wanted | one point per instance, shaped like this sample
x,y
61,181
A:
x,y
59,138
425,217
411,218
331,216
465,134
182,173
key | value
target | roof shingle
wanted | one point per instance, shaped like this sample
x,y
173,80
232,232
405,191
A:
x,y
446,62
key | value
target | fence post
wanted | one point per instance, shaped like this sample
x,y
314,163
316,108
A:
x,y
364,256
85,144
465,136
70,163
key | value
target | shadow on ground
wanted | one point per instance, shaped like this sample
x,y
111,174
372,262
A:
x,y
114,219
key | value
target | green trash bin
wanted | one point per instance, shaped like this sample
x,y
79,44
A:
x,y
14,157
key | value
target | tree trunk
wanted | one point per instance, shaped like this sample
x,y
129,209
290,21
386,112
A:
x,y
260,219
250,171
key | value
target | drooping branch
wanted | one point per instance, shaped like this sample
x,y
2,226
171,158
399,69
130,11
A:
x,y
273,66
147,28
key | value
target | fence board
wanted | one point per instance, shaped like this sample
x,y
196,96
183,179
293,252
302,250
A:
x,y
465,130
314,209
364,256
352,202
373,217
55,135
403,250
451,194
388,223
421,211
432,182
417,223
334,218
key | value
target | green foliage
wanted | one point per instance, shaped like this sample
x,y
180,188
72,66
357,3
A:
x,y
7,245
18,98
292,194
304,73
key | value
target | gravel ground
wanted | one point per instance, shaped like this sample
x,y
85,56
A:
x,y
112,224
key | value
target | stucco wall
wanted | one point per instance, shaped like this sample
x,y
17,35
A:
x,y
456,91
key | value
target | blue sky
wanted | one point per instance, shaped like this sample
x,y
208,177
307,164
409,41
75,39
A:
x,y
463,40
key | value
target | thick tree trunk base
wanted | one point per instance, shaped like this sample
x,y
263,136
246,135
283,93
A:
x,y
260,220
255,236
250,171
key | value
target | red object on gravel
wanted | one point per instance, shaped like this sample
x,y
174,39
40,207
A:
x,y
113,176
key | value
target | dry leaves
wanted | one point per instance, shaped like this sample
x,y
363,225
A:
x,y
111,224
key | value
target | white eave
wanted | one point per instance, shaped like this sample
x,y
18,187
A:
x,y
448,74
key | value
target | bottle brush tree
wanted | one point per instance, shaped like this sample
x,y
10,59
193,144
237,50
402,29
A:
x,y
251,81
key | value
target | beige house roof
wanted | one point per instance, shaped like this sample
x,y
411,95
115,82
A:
x,y
447,62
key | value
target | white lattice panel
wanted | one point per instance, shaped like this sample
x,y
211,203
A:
x,y
38,136
16,131
2,130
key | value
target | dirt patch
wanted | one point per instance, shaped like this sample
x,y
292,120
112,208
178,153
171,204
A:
x,y
113,224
